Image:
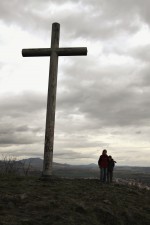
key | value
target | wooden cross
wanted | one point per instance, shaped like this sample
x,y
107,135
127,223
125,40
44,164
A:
x,y
54,52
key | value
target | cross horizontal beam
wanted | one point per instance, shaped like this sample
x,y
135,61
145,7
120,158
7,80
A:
x,y
60,51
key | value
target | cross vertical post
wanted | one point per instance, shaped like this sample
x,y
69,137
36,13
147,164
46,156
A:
x,y
51,102
53,52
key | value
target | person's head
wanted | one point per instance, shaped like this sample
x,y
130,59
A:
x,y
104,152
110,157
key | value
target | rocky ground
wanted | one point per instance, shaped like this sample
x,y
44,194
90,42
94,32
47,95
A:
x,y
26,201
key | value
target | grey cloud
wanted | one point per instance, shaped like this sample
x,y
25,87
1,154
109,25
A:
x,y
120,109
92,98
13,134
22,150
21,104
92,20
75,138
106,19
25,128
17,140
138,132
22,119
72,155
141,53
145,79
31,15
142,83
102,100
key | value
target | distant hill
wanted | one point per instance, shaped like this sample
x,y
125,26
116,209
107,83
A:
x,y
38,163
139,174
34,166
34,162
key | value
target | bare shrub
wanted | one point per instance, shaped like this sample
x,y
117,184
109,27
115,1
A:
x,y
9,165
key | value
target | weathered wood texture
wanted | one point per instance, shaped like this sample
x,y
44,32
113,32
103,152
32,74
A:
x,y
60,52
54,52
51,102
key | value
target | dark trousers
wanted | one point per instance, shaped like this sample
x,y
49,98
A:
x,y
109,175
103,174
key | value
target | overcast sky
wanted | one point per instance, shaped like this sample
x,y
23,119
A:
x,y
103,99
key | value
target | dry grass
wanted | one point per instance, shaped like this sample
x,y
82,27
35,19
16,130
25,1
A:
x,y
25,201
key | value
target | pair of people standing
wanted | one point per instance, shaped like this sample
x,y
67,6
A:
x,y
106,165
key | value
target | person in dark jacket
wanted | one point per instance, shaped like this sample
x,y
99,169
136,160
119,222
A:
x,y
110,169
103,165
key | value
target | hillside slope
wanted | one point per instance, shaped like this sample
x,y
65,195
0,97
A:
x,y
71,202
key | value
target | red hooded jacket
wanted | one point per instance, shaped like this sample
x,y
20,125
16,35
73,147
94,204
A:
x,y
103,161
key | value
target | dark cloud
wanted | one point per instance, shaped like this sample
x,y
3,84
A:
x,y
100,99
98,19
71,155
22,104
21,121
77,138
141,53
103,94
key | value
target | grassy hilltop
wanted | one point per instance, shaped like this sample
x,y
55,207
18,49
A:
x,y
30,201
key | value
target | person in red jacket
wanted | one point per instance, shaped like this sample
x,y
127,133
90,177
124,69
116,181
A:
x,y
103,165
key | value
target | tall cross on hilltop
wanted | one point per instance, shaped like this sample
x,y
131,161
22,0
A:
x,y
53,52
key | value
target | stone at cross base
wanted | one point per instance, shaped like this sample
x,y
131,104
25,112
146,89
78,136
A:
x,y
53,52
